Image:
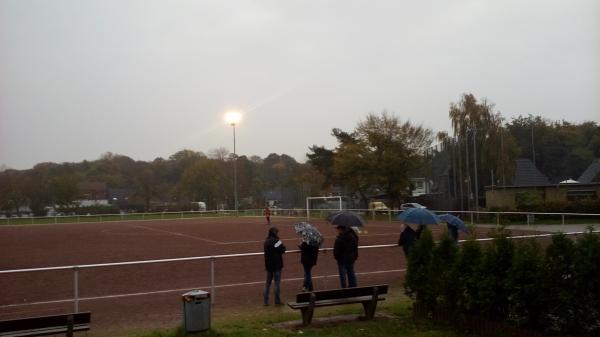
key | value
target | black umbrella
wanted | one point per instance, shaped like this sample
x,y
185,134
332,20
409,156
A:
x,y
346,219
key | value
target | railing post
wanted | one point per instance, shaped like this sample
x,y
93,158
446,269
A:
x,y
497,219
563,219
472,223
212,279
390,215
527,218
76,288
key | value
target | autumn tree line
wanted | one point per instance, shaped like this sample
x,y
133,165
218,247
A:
x,y
377,158
160,185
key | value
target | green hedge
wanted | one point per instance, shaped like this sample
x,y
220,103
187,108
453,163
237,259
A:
x,y
553,290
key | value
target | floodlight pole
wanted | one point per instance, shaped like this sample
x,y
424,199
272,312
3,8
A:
x,y
235,195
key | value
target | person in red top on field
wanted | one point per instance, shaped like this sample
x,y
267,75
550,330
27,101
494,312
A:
x,y
267,213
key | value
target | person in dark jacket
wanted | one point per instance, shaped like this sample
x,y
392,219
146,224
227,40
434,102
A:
x,y
420,230
407,239
453,232
274,250
308,258
345,251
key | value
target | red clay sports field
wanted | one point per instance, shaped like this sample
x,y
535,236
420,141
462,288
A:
x,y
148,295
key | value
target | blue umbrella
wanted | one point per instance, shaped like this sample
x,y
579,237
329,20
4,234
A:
x,y
419,216
455,222
346,219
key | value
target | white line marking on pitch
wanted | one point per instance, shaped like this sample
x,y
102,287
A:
x,y
178,234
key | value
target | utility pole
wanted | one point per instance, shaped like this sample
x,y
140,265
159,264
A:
x,y
469,192
460,175
475,164
502,155
532,147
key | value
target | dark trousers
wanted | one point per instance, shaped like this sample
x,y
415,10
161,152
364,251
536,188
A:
x,y
273,275
347,274
308,284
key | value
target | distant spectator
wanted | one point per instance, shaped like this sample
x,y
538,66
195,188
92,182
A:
x,y
274,249
345,251
267,214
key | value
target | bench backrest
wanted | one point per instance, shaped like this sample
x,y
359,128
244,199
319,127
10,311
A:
x,y
335,294
44,322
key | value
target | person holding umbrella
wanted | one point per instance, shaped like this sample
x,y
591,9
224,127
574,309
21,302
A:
x,y
345,248
420,217
345,251
309,251
274,249
454,224
407,239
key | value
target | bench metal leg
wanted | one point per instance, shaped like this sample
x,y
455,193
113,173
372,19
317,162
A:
x,y
369,309
70,322
371,305
307,315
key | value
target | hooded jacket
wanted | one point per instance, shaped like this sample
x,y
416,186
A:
x,y
274,250
345,249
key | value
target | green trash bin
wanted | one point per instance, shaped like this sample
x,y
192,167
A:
x,y
196,311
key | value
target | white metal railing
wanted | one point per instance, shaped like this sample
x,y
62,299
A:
x,y
211,258
389,215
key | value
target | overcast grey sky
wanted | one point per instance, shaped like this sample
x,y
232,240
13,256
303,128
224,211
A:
x,y
146,78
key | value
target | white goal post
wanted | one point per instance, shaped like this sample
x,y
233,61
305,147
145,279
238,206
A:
x,y
326,199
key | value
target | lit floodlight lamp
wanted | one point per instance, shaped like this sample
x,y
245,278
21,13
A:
x,y
233,117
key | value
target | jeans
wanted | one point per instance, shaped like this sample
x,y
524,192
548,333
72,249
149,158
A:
x,y
275,274
307,277
347,271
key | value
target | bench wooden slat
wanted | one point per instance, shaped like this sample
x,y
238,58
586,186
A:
x,y
45,325
342,301
333,294
44,331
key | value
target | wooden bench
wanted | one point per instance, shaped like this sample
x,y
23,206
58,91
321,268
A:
x,y
368,296
46,325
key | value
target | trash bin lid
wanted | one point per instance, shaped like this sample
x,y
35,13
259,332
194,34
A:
x,y
195,294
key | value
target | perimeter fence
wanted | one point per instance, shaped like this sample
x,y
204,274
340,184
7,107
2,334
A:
x,y
473,217
212,259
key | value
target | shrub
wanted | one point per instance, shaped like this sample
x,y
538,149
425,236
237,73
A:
x,y
558,284
526,201
418,276
442,275
492,291
586,280
467,271
525,294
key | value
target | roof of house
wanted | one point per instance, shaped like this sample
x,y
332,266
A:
x,y
590,173
526,174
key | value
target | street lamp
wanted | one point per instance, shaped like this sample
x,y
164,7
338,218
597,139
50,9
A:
x,y
232,118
